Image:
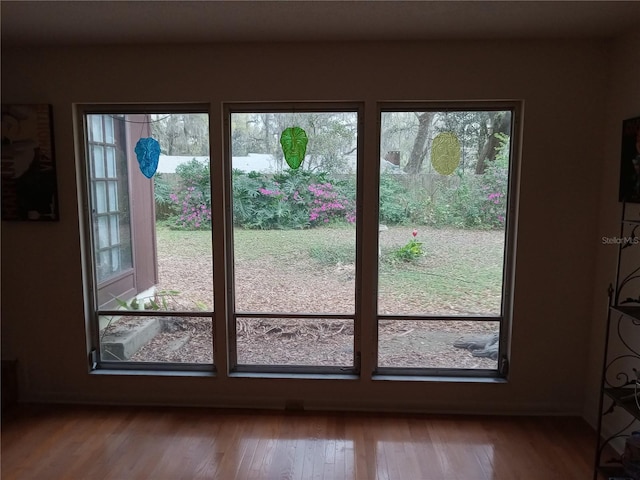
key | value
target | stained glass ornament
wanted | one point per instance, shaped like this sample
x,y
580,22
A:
x,y
148,154
294,146
445,153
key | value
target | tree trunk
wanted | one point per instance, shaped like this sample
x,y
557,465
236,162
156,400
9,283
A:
x,y
418,151
500,122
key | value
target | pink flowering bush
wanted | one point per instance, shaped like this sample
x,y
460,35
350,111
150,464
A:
x,y
190,199
328,205
292,199
194,210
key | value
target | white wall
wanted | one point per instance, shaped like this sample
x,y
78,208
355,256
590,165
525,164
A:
x,y
623,101
563,85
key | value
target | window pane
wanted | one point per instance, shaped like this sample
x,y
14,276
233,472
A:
x,y
294,229
443,213
111,161
126,260
443,188
108,129
183,210
108,197
115,259
438,344
104,265
98,161
156,339
95,128
175,273
115,230
101,197
295,341
113,196
103,232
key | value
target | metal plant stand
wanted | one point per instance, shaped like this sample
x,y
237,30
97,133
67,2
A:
x,y
619,406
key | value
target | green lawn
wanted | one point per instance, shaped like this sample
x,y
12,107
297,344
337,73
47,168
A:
x,y
460,268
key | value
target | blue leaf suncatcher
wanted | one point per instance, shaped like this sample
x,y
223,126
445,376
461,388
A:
x,y
148,153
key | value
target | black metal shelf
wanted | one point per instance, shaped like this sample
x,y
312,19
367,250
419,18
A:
x,y
629,311
616,472
618,363
624,398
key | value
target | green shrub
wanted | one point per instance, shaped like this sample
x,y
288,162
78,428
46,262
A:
x,y
165,208
186,206
260,202
394,201
479,201
289,200
410,252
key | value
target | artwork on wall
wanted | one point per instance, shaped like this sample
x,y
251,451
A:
x,y
28,172
630,161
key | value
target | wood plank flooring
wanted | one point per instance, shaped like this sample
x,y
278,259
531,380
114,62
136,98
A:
x,y
122,443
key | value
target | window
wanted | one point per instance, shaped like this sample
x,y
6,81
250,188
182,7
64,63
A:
x,y
294,239
443,238
151,262
399,260
109,180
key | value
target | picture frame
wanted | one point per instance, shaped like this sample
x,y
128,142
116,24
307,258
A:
x,y
630,161
28,169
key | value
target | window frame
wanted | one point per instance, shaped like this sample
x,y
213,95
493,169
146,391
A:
x,y
105,180
233,315
365,317
505,318
93,310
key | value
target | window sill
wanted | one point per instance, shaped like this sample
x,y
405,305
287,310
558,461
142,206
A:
x,y
153,373
296,376
437,379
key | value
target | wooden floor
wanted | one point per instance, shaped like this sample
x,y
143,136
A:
x,y
123,443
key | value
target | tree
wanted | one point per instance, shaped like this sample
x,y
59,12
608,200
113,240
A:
x,y
496,123
420,144
332,136
182,134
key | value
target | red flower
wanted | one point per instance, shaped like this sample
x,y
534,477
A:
x,y
415,232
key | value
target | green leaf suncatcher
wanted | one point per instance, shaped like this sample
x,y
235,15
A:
x,y
294,145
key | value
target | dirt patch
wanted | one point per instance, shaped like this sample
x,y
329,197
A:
x,y
268,284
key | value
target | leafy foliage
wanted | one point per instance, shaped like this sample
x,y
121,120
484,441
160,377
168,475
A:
x,y
162,190
192,198
395,201
262,202
411,251
298,199
292,199
331,136
160,300
479,201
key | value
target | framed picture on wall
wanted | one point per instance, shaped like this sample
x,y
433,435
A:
x,y
630,161
28,171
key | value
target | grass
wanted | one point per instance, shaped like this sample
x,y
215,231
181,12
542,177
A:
x,y
184,243
335,242
462,268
